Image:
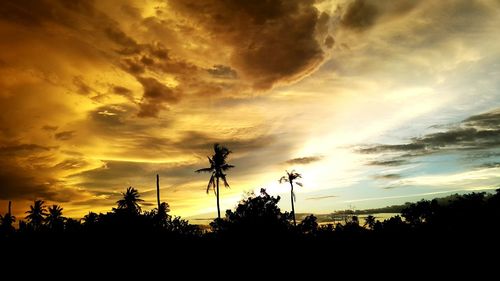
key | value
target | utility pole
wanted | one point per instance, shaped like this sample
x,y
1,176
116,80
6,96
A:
x,y
158,190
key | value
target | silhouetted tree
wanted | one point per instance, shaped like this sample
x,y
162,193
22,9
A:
x,y
90,219
160,215
217,168
130,201
290,177
55,219
309,225
370,222
6,222
36,214
255,216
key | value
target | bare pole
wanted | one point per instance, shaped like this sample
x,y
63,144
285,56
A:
x,y
158,190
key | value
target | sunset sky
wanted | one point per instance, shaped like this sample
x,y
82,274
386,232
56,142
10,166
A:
x,y
374,102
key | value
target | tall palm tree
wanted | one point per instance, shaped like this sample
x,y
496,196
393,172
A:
x,y
217,168
290,177
130,201
36,214
55,219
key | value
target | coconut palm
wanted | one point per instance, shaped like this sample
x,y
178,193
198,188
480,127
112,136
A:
x,y
130,201
217,168
7,221
55,219
36,214
90,219
290,177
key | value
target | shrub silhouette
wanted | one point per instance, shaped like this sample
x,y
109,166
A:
x,y
257,216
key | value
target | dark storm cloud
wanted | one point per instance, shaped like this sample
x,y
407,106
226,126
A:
x,y
155,96
303,160
36,13
84,20
480,131
272,41
66,135
21,183
360,15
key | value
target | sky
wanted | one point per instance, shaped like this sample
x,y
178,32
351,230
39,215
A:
x,y
374,102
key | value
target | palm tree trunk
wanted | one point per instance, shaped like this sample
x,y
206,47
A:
x,y
218,208
158,191
10,204
293,209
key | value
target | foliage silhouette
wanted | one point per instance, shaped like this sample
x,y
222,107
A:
x,y
6,221
55,219
218,166
257,216
130,202
422,225
290,177
36,215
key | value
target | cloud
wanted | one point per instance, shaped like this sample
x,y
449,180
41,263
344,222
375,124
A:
x,y
322,197
393,147
392,162
304,160
223,71
361,15
489,165
24,148
49,128
64,136
388,177
329,42
82,87
270,41
155,95
29,183
480,131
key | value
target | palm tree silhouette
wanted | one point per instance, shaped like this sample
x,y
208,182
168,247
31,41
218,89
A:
x,y
7,220
130,201
217,167
290,178
54,219
90,219
36,214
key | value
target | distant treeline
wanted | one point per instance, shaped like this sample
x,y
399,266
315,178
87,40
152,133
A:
x,y
258,217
